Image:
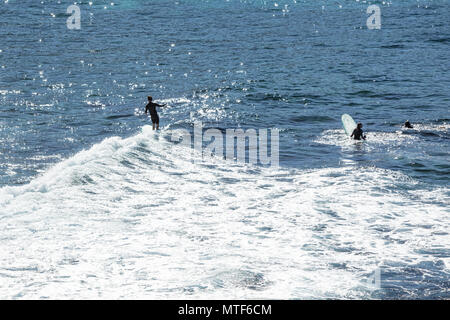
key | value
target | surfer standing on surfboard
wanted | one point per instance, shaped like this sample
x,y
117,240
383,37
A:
x,y
357,134
151,106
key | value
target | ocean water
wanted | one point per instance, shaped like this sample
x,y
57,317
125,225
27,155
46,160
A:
x,y
94,204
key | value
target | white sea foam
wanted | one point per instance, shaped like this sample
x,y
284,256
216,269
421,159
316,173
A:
x,y
135,218
374,139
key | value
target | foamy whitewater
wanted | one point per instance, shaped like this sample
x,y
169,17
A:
x,y
136,218
94,204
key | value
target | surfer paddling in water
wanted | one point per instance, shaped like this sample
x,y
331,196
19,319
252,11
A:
x,y
408,124
151,106
358,134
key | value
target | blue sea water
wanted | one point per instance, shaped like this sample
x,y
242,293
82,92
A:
x,y
93,204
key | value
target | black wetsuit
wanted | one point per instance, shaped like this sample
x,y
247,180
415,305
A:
x,y
358,134
151,106
408,125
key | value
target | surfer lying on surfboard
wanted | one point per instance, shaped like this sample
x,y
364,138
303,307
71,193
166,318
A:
x,y
357,134
151,106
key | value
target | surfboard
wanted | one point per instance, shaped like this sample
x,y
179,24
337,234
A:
x,y
348,123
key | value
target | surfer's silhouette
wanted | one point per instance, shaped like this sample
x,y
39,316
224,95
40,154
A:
x,y
408,124
358,133
151,106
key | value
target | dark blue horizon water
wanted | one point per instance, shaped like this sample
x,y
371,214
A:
x,y
292,65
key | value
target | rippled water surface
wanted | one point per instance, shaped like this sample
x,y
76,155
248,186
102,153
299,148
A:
x,y
93,204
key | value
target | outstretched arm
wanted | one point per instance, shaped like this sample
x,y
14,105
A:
x,y
160,105
351,136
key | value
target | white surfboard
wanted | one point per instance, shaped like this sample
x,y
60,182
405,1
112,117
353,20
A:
x,y
348,123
